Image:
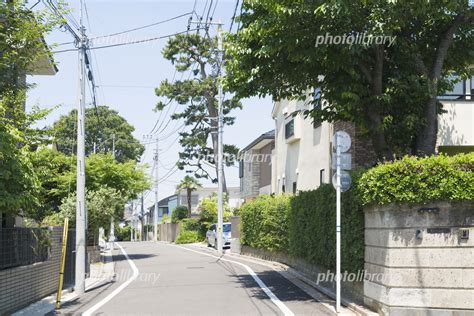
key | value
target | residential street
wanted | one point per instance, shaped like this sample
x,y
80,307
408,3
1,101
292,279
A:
x,y
189,280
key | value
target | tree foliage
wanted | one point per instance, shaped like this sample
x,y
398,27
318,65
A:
x,y
192,52
21,48
389,92
101,126
189,184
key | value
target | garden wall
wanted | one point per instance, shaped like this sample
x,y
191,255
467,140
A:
x,y
426,256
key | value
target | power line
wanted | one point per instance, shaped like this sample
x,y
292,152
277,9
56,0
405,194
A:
x,y
233,15
145,26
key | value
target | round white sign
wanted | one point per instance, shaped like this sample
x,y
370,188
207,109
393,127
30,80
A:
x,y
346,181
342,140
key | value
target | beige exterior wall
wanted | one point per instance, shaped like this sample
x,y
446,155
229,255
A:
x,y
300,158
456,126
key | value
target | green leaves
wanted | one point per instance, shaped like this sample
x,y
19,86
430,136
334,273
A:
x,y
420,180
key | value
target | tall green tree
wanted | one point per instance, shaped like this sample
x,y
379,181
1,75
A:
x,y
390,92
189,184
21,48
196,53
102,126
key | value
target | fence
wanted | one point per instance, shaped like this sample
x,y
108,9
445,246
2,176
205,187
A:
x,y
169,231
30,260
23,246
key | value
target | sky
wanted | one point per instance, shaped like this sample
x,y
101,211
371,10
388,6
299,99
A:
x,y
127,76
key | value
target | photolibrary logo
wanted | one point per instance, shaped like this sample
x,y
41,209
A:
x,y
354,39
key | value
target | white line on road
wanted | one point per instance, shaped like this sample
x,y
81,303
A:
x,y
117,290
286,311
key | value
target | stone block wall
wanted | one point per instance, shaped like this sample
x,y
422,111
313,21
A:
x,y
24,285
423,257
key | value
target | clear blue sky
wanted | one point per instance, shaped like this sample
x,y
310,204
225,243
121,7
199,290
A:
x,y
129,74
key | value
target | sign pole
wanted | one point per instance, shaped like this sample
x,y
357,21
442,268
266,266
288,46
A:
x,y
338,226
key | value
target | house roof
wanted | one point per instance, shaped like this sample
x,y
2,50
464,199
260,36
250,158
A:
x,y
261,141
44,65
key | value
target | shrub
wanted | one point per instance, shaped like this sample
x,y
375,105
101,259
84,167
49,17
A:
x,y
420,180
187,237
312,228
264,222
179,213
122,234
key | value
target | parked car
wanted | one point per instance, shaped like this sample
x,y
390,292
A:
x,y
211,235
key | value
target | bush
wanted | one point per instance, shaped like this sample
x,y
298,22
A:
x,y
420,180
122,234
264,222
187,237
179,213
312,228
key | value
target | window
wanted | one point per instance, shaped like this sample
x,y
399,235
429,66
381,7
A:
x,y
283,188
294,187
461,90
241,169
322,174
317,105
290,128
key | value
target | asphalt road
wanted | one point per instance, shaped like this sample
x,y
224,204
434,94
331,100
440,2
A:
x,y
174,280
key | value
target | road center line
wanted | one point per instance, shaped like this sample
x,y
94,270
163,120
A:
x,y
117,290
286,311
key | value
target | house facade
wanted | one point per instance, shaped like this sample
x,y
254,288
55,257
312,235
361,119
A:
x,y
255,166
303,149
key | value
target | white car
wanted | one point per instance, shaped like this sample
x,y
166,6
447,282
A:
x,y
211,235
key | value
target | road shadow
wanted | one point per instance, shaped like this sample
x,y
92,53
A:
x,y
280,286
138,256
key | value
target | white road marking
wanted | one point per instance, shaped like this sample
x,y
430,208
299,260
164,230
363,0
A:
x,y
117,290
285,310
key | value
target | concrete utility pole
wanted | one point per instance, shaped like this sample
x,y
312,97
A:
x,y
220,153
81,170
155,213
142,218
112,222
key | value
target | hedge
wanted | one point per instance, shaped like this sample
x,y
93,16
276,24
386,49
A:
x,y
264,223
419,180
303,226
312,228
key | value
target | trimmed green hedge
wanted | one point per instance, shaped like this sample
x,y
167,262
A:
x,y
419,180
304,226
188,237
312,229
264,223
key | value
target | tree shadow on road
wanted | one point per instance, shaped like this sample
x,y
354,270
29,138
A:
x,y
137,256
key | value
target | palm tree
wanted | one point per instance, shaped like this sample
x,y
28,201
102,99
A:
x,y
189,184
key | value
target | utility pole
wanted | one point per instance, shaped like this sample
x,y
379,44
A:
x,y
112,221
155,213
81,170
220,152
142,213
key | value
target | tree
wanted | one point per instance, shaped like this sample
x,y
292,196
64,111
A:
x,y
390,92
57,179
192,52
102,127
101,205
21,48
189,184
179,213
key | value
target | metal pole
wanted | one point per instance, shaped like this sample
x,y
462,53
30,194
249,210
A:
x,y
155,213
338,226
81,172
113,145
142,220
220,154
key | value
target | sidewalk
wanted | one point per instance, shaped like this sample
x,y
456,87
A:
x,y
99,273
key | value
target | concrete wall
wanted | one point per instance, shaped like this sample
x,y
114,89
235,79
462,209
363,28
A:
x,y
169,231
427,268
24,285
